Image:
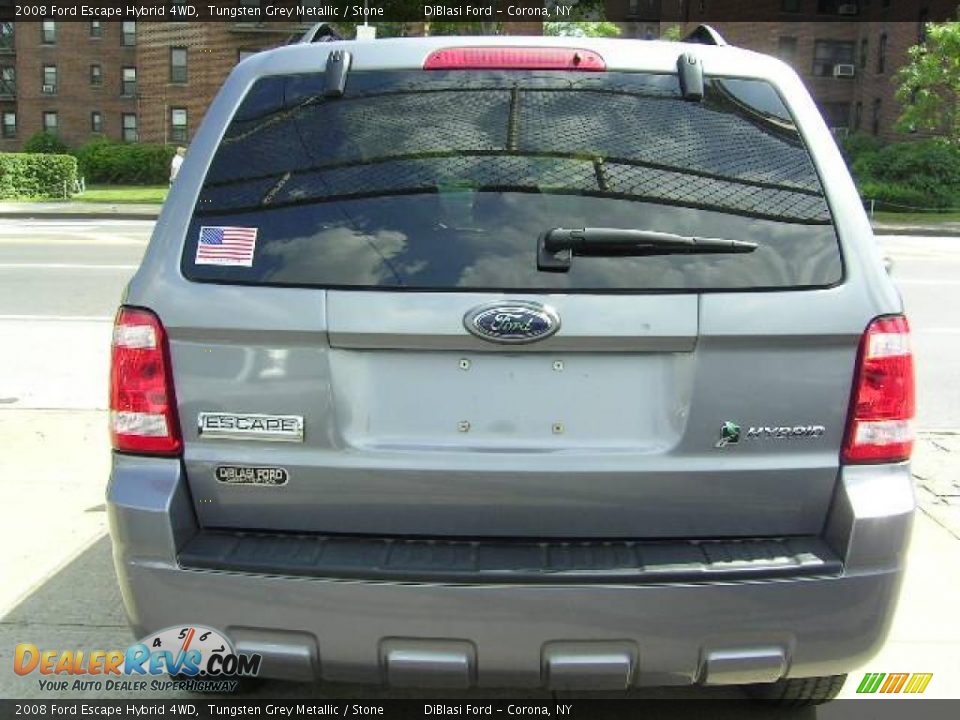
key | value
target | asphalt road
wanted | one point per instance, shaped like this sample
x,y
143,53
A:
x,y
60,283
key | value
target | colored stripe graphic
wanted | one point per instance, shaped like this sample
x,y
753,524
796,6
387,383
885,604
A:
x,y
870,682
894,683
918,682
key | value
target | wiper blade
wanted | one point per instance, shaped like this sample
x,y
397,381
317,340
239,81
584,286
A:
x,y
557,247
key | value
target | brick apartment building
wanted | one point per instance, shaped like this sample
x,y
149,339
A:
x,y
153,81
849,66
131,81
148,82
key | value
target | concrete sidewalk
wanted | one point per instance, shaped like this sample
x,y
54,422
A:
x,y
68,210
935,470
149,211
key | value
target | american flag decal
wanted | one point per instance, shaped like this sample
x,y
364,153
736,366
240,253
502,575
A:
x,y
219,245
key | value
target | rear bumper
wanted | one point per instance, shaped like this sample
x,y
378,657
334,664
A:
x,y
600,636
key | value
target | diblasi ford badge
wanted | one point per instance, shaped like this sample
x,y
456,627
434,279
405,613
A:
x,y
512,322
246,426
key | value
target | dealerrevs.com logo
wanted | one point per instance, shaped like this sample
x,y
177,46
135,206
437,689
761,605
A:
x,y
190,657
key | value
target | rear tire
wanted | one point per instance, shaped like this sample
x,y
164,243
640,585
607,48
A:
x,y
797,692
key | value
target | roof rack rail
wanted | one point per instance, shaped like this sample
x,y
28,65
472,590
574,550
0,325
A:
x,y
705,35
320,32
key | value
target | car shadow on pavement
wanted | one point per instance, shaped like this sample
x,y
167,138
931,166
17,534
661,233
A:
x,y
79,608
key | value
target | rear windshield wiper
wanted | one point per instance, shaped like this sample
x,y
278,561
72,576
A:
x,y
557,247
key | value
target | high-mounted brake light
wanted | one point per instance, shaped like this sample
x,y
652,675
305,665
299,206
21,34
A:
x,y
515,58
142,405
880,420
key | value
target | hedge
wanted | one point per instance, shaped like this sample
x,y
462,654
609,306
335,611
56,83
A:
x,y
37,175
45,142
917,174
898,197
116,163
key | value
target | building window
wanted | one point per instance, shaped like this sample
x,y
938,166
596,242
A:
x,y
787,48
864,53
857,115
49,32
882,54
829,53
129,127
836,114
96,75
9,125
6,36
129,34
8,82
791,6
837,7
178,65
129,84
49,80
875,119
51,122
96,122
178,125
244,53
96,29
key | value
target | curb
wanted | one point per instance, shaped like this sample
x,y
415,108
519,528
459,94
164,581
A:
x,y
28,215
918,231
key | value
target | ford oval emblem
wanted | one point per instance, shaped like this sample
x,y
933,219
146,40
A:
x,y
515,321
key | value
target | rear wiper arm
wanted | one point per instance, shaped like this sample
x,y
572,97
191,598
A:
x,y
557,247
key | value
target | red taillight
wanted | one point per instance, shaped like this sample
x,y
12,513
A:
x,y
880,422
514,58
142,405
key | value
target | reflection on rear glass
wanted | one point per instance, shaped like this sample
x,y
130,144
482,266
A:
x,y
444,180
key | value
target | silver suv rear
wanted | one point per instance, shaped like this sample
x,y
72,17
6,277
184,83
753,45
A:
x,y
479,362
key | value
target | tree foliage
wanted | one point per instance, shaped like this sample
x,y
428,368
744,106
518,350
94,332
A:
x,y
674,33
581,29
929,84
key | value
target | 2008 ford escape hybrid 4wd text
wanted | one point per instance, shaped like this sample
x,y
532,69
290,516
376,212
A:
x,y
488,362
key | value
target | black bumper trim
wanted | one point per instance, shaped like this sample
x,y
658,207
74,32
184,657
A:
x,y
509,561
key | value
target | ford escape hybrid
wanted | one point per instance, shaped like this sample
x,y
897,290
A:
x,y
548,363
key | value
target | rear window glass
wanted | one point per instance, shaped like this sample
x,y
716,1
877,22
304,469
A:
x,y
445,180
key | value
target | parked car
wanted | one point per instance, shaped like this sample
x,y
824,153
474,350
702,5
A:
x,y
516,362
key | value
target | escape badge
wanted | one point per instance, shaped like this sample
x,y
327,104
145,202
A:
x,y
250,426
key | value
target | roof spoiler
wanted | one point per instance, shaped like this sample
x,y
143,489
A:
x,y
705,35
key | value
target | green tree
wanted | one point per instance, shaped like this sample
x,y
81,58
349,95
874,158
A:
x,y
581,29
929,84
674,33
